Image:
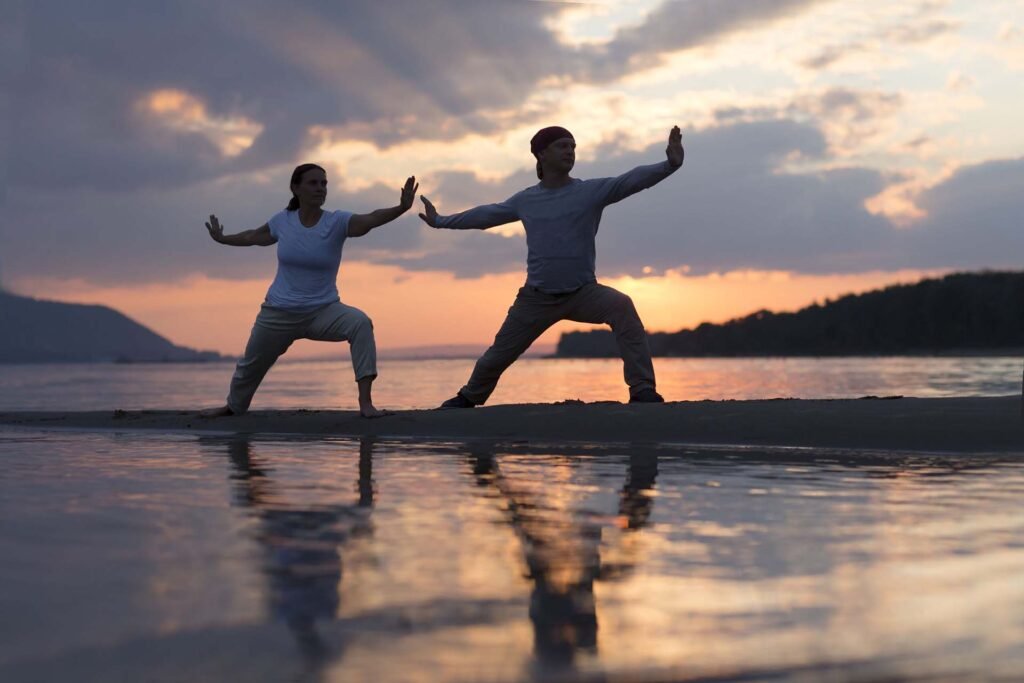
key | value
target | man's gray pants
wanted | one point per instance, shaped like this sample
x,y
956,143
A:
x,y
533,312
276,329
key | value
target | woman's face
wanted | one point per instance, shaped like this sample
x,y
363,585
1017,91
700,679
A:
x,y
311,188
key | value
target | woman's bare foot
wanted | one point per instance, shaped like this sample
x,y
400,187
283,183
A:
x,y
368,411
366,408
223,411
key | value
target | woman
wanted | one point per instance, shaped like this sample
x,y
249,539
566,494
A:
x,y
302,302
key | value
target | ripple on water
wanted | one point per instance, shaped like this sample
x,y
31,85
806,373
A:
x,y
334,558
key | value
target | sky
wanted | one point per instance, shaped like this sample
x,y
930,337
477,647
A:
x,y
832,146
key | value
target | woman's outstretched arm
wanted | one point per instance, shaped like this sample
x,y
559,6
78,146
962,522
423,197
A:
x,y
362,223
258,237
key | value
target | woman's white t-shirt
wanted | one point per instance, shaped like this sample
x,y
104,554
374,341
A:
x,y
307,260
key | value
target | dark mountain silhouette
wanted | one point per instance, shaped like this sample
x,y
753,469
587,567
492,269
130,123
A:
x,y
34,331
959,313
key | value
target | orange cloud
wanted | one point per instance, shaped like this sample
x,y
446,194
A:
x,y
180,111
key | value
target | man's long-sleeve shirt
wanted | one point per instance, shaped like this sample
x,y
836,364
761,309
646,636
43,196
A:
x,y
561,224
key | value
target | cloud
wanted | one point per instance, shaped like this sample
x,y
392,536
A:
x,y
132,123
740,202
958,81
117,238
734,205
388,70
848,116
730,207
974,218
680,24
915,25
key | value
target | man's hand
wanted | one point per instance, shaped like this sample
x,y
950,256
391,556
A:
x,y
409,193
674,151
430,213
216,229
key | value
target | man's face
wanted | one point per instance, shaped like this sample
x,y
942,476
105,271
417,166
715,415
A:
x,y
560,155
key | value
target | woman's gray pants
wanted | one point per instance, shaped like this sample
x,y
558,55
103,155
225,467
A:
x,y
276,328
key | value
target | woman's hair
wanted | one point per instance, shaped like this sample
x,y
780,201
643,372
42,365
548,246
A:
x,y
297,174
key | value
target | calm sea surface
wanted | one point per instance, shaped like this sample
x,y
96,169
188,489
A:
x,y
168,557
142,557
425,384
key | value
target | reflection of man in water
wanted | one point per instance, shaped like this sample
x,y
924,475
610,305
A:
x,y
563,554
301,544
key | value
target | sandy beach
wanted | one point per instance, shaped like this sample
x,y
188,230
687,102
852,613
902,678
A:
x,y
962,425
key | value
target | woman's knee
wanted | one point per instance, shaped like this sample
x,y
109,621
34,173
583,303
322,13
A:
x,y
361,323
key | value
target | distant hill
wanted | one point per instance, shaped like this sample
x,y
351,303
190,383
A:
x,y
960,313
33,331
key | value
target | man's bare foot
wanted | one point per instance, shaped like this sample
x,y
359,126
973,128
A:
x,y
223,411
369,412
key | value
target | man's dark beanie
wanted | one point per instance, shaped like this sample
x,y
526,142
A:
x,y
545,136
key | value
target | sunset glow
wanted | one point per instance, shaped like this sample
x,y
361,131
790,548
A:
x,y
832,147
433,308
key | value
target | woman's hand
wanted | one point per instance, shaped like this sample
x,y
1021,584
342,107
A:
x,y
260,237
409,193
674,151
216,229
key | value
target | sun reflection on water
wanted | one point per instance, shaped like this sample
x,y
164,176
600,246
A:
x,y
341,560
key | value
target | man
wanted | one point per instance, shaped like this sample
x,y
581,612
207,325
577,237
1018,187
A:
x,y
561,216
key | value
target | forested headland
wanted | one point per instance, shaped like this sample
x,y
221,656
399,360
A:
x,y
960,313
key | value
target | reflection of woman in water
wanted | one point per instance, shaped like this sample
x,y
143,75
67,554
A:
x,y
302,302
302,544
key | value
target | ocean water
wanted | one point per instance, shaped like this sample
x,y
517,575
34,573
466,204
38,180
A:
x,y
128,556
405,384
131,557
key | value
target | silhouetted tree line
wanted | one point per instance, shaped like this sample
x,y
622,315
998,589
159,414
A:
x,y
959,312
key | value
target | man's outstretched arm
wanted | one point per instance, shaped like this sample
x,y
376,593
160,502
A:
x,y
611,190
480,218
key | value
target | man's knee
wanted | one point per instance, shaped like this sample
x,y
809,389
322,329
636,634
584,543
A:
x,y
622,311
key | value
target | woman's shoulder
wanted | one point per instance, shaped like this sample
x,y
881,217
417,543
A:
x,y
278,221
338,219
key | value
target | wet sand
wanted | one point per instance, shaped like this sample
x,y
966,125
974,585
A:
x,y
961,425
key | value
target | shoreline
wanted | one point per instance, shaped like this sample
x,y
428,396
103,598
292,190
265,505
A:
x,y
962,425
402,354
